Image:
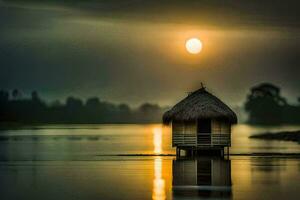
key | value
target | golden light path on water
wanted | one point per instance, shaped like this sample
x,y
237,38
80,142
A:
x,y
157,140
158,192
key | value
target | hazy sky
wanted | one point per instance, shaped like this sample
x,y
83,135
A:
x,y
133,51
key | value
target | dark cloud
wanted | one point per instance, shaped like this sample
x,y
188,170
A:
x,y
215,12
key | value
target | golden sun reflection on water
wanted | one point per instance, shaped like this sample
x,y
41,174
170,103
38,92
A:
x,y
158,192
157,140
158,182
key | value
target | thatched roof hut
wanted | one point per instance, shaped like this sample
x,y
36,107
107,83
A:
x,y
200,104
200,121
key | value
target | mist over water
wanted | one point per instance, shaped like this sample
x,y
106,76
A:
x,y
90,142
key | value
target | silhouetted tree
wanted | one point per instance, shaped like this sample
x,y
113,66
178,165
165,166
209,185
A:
x,y
149,112
124,109
93,113
56,103
148,108
37,108
93,102
74,110
124,113
74,103
4,96
265,104
35,96
16,94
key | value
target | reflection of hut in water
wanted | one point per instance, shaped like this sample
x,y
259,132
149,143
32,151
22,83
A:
x,y
201,121
210,178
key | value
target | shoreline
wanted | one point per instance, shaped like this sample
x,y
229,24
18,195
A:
x,y
114,157
271,154
293,136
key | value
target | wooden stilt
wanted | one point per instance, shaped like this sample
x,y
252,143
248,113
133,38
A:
x,y
178,152
222,152
228,152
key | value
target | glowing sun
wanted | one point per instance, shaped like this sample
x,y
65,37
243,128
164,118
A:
x,y
193,45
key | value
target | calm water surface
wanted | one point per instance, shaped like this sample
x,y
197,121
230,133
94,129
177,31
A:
x,y
84,162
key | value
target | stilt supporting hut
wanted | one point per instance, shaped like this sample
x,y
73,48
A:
x,y
201,124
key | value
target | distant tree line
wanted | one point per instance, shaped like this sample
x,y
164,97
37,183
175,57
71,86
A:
x,y
266,106
15,108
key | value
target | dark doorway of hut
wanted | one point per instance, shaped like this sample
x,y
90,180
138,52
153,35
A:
x,y
204,131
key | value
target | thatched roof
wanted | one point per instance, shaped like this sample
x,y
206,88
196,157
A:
x,y
200,105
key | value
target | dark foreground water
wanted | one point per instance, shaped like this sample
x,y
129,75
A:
x,y
117,162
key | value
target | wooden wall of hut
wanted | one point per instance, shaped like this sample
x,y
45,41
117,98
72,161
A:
x,y
220,133
219,126
184,133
